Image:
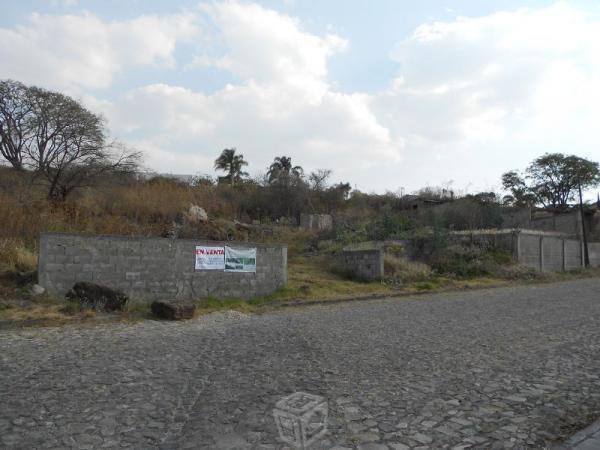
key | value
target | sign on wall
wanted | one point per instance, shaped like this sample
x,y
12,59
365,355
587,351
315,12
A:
x,y
240,259
210,258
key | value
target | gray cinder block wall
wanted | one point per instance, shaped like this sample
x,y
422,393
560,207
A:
x,y
539,250
153,268
363,264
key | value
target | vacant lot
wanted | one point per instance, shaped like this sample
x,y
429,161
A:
x,y
501,368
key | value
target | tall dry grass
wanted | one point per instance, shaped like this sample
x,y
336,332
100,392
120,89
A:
x,y
146,208
14,255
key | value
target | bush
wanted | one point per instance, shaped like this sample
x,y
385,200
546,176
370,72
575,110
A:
x,y
388,225
399,269
15,256
470,261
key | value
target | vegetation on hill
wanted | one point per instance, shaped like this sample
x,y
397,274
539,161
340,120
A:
x,y
59,171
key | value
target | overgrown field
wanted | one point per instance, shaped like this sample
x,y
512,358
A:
x,y
254,212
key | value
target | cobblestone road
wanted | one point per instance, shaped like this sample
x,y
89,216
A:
x,y
502,368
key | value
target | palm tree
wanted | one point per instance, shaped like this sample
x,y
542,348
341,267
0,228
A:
x,y
282,168
231,163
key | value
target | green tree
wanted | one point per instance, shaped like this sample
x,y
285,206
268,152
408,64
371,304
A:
x,y
584,174
520,193
231,163
281,170
551,180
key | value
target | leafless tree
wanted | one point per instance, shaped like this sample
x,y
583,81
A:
x,y
15,118
58,139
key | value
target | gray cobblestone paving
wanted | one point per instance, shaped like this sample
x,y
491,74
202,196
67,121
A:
x,y
501,368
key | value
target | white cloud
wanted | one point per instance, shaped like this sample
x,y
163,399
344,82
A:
x,y
475,77
261,122
284,105
82,51
504,87
508,86
271,48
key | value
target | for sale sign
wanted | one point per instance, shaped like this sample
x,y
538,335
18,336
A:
x,y
240,259
210,258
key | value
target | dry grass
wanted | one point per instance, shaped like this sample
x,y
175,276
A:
x,y
309,277
398,269
15,256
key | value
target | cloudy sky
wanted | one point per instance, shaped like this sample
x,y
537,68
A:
x,y
389,94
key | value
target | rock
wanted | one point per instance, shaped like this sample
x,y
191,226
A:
x,y
36,289
172,311
97,297
197,214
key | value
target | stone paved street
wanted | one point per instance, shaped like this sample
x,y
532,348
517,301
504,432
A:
x,y
500,368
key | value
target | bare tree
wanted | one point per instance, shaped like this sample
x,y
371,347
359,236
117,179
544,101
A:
x,y
69,148
318,179
15,117
58,139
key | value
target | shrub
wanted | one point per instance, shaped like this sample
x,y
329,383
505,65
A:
x,y
15,256
388,225
470,261
399,269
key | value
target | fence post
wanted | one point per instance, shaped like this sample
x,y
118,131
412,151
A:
x,y
564,256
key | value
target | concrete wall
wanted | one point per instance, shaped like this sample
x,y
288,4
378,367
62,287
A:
x,y
568,223
153,268
316,221
573,258
554,253
539,250
594,252
363,264
528,250
515,217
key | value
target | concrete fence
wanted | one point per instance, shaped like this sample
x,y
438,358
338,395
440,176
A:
x,y
364,264
153,268
542,251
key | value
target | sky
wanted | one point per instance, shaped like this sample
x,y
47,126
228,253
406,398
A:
x,y
392,95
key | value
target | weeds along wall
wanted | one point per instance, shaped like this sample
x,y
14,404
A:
x,y
153,268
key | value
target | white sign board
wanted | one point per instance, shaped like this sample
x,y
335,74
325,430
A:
x,y
240,259
210,258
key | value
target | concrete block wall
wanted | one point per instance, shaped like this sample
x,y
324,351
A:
x,y
554,253
363,264
594,252
316,221
528,253
539,250
153,268
573,258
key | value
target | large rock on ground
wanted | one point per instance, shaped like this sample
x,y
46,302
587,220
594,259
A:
x,y
197,214
172,311
101,298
